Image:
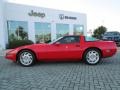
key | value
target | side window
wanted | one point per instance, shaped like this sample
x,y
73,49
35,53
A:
x,y
87,38
69,39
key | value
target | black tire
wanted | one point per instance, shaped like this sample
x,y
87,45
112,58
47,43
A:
x,y
92,59
27,60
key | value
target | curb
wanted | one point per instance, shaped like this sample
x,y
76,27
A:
x,y
3,52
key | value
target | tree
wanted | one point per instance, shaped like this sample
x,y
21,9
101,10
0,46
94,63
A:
x,y
21,33
98,32
12,37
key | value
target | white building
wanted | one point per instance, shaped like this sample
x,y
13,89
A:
x,y
38,24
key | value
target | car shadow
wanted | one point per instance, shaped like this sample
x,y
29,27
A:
x,y
60,63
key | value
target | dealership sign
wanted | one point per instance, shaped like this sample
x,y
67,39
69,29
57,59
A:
x,y
62,16
36,14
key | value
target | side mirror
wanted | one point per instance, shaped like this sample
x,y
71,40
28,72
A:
x,y
57,43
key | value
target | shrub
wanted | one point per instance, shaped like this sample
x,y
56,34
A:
x,y
18,43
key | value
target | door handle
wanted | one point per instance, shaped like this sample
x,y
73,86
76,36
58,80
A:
x,y
77,45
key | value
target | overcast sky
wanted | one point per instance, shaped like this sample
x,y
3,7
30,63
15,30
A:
x,y
99,12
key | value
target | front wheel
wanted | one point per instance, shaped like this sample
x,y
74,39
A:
x,y
26,58
92,56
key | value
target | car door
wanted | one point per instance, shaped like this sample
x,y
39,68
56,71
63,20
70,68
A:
x,y
55,51
67,48
73,47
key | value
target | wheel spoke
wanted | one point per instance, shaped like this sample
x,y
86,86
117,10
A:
x,y
92,57
26,58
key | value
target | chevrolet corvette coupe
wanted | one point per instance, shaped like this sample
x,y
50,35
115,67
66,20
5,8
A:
x,y
66,48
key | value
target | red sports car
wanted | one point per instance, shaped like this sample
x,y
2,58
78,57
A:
x,y
72,48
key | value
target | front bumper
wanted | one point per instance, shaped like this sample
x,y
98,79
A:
x,y
11,55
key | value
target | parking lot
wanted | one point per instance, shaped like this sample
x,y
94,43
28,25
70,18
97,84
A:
x,y
61,75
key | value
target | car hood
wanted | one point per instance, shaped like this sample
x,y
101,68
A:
x,y
33,46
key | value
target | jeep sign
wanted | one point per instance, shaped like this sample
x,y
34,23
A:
x,y
36,14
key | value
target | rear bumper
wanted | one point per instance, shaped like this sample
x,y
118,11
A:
x,y
109,52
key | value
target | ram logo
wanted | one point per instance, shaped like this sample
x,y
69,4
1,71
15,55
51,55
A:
x,y
61,16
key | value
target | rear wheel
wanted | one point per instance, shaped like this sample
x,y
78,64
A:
x,y
26,58
92,56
